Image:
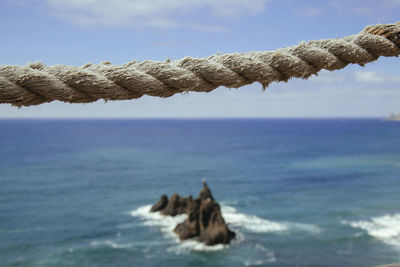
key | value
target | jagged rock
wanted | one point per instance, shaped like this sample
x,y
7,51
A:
x,y
161,204
204,222
190,228
177,205
213,229
205,192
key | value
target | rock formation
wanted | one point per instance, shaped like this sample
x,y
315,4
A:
x,y
204,223
161,204
393,117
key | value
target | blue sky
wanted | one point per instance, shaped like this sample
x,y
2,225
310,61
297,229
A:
x,y
75,32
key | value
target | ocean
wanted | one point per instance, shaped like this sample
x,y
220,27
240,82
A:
x,y
298,192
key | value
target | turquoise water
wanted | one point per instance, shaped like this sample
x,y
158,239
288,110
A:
x,y
297,192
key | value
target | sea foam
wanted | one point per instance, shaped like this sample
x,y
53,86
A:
x,y
385,228
110,243
237,221
250,222
257,224
167,225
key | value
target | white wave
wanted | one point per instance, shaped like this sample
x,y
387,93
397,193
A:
x,y
165,223
193,245
303,227
260,225
250,222
235,219
126,226
270,255
253,263
385,228
110,243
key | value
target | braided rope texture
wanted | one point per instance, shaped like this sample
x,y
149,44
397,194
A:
x,y
37,83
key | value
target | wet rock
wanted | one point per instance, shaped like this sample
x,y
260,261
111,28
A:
x,y
213,229
161,204
205,222
177,205
205,192
190,228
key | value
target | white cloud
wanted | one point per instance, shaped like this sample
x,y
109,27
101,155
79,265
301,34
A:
x,y
376,9
368,77
375,77
154,13
363,77
328,77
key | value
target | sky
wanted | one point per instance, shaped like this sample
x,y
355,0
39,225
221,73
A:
x,y
76,32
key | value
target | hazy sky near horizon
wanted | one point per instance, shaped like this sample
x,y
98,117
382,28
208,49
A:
x,y
75,32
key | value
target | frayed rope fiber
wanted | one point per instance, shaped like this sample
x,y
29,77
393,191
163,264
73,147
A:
x,y
37,83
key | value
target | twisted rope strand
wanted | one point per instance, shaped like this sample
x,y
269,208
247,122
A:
x,y
37,83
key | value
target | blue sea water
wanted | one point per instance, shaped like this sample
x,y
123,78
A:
x,y
298,192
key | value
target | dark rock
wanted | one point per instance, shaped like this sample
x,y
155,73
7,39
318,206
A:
x,y
213,229
161,204
190,228
177,205
205,192
204,222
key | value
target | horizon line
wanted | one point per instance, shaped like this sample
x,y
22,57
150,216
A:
x,y
187,118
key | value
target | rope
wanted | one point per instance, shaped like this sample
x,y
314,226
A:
x,y
37,83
